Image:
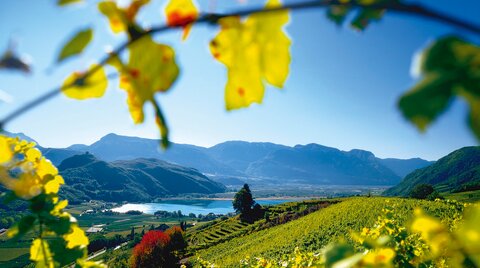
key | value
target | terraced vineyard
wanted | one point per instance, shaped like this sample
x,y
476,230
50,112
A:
x,y
219,231
316,230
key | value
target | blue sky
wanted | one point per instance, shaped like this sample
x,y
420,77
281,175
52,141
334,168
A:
x,y
341,92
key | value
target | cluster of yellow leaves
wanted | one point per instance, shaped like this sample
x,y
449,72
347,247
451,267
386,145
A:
x,y
35,174
30,176
254,50
151,66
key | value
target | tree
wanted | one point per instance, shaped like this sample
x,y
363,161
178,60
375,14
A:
x,y
132,233
422,191
243,201
153,251
177,238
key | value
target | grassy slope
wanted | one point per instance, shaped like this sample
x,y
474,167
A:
x,y
315,230
470,196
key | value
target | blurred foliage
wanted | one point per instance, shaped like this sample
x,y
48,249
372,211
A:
x,y
11,61
449,68
31,177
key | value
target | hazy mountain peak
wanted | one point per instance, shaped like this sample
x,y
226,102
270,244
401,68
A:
x,y
362,154
78,147
316,147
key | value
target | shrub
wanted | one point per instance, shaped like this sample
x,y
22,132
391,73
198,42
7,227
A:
x,y
177,239
422,191
153,251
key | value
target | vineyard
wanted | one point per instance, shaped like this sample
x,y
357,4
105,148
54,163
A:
x,y
317,229
219,231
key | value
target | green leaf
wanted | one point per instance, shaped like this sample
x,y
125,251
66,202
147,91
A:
x,y
365,17
63,255
450,68
473,118
337,14
337,252
60,225
21,227
428,99
68,2
76,44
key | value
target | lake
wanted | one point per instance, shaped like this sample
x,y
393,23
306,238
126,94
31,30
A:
x,y
197,206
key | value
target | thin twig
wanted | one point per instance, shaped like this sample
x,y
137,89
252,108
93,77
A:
x,y
416,10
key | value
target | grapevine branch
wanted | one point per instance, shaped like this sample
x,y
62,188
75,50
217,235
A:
x,y
413,9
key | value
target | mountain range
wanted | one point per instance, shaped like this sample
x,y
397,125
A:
x,y
456,172
236,162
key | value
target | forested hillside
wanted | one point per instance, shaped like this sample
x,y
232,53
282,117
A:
x,y
458,171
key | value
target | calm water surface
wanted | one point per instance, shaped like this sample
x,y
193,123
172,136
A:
x,y
197,206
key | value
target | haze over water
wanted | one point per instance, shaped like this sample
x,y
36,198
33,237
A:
x,y
197,206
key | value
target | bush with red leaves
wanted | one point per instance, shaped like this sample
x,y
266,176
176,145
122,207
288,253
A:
x,y
153,251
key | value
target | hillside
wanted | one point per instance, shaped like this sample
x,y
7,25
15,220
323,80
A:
x,y
458,171
137,180
316,230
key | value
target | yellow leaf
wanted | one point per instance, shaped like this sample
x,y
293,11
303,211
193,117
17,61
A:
x,y
94,86
40,253
121,18
52,186
91,264
254,50
76,238
117,19
33,154
181,13
6,153
132,10
151,68
45,167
